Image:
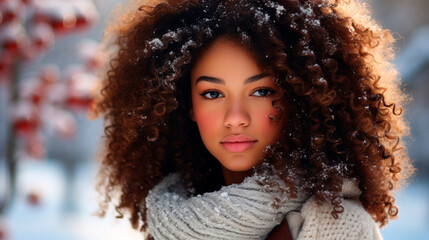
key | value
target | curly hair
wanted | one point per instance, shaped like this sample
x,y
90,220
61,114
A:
x,y
332,60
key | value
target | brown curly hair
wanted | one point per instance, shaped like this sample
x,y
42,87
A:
x,y
332,61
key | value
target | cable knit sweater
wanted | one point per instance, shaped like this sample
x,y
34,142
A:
x,y
246,211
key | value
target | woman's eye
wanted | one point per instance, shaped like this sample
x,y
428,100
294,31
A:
x,y
263,92
212,94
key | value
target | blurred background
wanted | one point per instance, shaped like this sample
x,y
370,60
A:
x,y
49,52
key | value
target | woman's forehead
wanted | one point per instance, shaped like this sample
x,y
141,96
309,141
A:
x,y
225,57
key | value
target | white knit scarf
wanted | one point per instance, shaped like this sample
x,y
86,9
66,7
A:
x,y
238,211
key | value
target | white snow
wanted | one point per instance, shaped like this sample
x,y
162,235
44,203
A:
x,y
156,43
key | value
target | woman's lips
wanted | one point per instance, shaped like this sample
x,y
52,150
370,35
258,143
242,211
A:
x,y
237,146
237,143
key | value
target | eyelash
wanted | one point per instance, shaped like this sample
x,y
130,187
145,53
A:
x,y
269,92
210,91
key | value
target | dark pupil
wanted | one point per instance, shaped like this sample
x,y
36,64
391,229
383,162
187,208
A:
x,y
214,94
263,92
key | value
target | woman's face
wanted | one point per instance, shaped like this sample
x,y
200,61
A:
x,y
232,104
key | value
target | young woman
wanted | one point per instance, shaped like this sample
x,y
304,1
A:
x,y
253,119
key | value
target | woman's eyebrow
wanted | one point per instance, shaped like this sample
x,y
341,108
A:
x,y
255,78
220,81
210,79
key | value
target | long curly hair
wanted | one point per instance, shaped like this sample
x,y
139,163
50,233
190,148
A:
x,y
332,60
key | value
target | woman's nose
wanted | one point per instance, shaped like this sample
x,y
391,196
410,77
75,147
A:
x,y
236,115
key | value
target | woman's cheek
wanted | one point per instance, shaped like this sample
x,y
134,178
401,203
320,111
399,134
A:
x,y
265,123
206,119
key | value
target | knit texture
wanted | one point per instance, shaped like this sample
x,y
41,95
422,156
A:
x,y
353,223
316,222
245,211
238,211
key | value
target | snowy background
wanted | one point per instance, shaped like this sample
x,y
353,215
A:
x,y
64,184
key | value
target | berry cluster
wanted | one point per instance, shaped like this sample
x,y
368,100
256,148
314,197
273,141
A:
x,y
28,27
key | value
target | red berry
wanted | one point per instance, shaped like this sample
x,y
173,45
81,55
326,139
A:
x,y
42,36
8,17
10,45
27,2
63,22
4,66
12,37
33,199
36,99
26,125
81,22
80,102
10,10
57,25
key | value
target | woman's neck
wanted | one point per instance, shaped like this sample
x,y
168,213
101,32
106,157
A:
x,y
232,177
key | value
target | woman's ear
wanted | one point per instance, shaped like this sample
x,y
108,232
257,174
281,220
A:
x,y
192,115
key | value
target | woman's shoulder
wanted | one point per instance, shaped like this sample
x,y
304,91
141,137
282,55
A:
x,y
315,221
